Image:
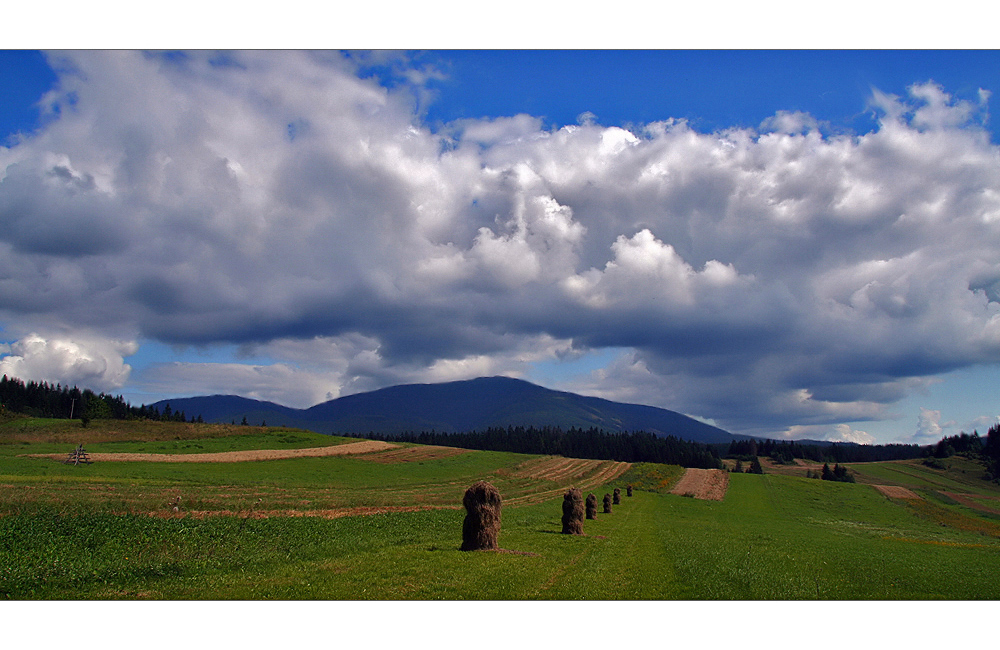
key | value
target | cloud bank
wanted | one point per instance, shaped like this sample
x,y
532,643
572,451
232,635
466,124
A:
x,y
91,362
766,278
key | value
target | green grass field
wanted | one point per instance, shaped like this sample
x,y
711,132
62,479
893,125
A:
x,y
86,532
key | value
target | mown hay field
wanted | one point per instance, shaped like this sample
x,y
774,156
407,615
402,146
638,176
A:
x,y
357,528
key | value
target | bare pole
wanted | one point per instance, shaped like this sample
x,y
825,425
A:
x,y
72,403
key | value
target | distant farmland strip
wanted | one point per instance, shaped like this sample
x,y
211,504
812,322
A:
x,y
975,501
363,447
334,513
896,492
415,454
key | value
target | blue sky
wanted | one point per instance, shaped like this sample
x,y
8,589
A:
x,y
786,243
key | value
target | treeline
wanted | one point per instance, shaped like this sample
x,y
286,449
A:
x,y
786,451
964,443
593,443
991,452
973,446
44,400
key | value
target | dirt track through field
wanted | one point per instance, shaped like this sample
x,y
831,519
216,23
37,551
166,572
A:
x,y
363,447
709,484
896,492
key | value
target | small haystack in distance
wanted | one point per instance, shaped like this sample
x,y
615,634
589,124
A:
x,y
482,517
591,506
617,497
607,503
572,519
628,490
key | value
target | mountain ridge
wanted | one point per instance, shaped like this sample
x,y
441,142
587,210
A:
x,y
457,406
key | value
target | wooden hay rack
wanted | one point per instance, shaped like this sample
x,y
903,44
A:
x,y
77,456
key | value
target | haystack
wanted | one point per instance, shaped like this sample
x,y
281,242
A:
x,y
607,503
628,490
617,496
572,519
482,517
591,506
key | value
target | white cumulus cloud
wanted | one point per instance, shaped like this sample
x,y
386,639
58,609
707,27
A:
x,y
93,362
762,278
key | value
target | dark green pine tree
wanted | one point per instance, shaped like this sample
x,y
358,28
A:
x,y
755,467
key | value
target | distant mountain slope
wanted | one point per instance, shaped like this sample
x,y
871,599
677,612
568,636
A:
x,y
226,408
452,407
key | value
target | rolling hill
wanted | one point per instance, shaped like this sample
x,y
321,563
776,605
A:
x,y
453,407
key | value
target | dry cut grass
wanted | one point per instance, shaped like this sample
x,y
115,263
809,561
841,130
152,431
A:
x,y
415,454
896,492
563,472
363,447
709,484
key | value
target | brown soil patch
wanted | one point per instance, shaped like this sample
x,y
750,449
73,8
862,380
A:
x,y
415,454
709,484
896,492
363,447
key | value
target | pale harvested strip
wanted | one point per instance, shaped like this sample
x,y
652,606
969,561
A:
x,y
333,513
415,454
708,484
601,472
539,467
612,471
576,470
363,447
555,468
896,492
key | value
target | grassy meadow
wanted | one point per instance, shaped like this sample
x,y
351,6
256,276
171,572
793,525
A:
x,y
388,525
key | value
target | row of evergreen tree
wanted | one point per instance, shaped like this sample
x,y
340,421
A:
x,y
44,400
785,451
41,399
593,443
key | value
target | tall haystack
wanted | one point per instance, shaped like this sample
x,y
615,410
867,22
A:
x,y
572,519
617,496
482,517
628,490
591,506
607,503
